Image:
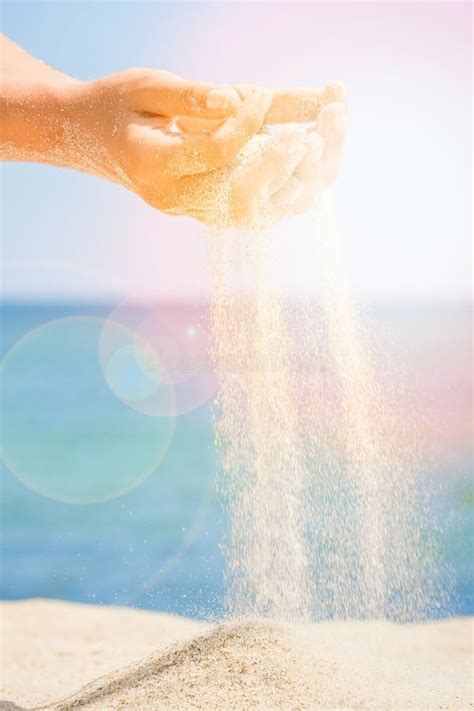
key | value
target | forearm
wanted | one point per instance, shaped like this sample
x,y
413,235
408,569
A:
x,y
34,108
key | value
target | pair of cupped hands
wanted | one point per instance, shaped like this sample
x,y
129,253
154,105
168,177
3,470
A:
x,y
179,144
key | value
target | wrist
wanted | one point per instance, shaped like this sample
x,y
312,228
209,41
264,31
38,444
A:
x,y
34,118
85,144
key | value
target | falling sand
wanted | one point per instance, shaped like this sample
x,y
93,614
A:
x,y
320,494
256,430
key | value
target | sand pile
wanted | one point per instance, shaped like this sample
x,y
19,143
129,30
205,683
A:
x,y
246,665
262,665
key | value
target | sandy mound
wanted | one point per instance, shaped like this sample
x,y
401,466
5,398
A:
x,y
50,649
258,665
246,665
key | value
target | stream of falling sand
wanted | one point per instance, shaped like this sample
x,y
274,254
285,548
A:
x,y
318,488
256,432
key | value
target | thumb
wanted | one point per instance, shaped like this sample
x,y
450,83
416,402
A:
x,y
168,95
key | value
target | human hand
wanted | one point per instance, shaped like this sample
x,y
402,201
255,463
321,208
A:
x,y
169,140
276,175
120,126
184,147
126,124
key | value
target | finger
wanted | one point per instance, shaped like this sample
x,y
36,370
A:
x,y
309,169
294,152
300,105
298,194
289,154
179,154
288,106
228,139
203,152
273,164
166,94
294,198
331,125
277,159
191,124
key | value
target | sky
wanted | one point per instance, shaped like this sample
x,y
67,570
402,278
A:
x,y
403,194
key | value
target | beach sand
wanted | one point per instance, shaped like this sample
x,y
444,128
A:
x,y
53,654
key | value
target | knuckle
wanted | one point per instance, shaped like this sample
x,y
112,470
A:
x,y
189,97
134,79
131,74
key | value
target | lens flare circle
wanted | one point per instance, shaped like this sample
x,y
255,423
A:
x,y
65,433
170,346
128,376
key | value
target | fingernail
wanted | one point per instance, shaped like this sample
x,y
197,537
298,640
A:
x,y
220,99
335,92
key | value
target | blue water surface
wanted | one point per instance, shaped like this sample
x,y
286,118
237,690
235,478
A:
x,y
157,546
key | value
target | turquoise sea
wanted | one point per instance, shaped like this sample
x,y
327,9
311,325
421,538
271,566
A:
x,y
156,544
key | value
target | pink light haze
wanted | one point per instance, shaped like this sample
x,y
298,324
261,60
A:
x,y
403,194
